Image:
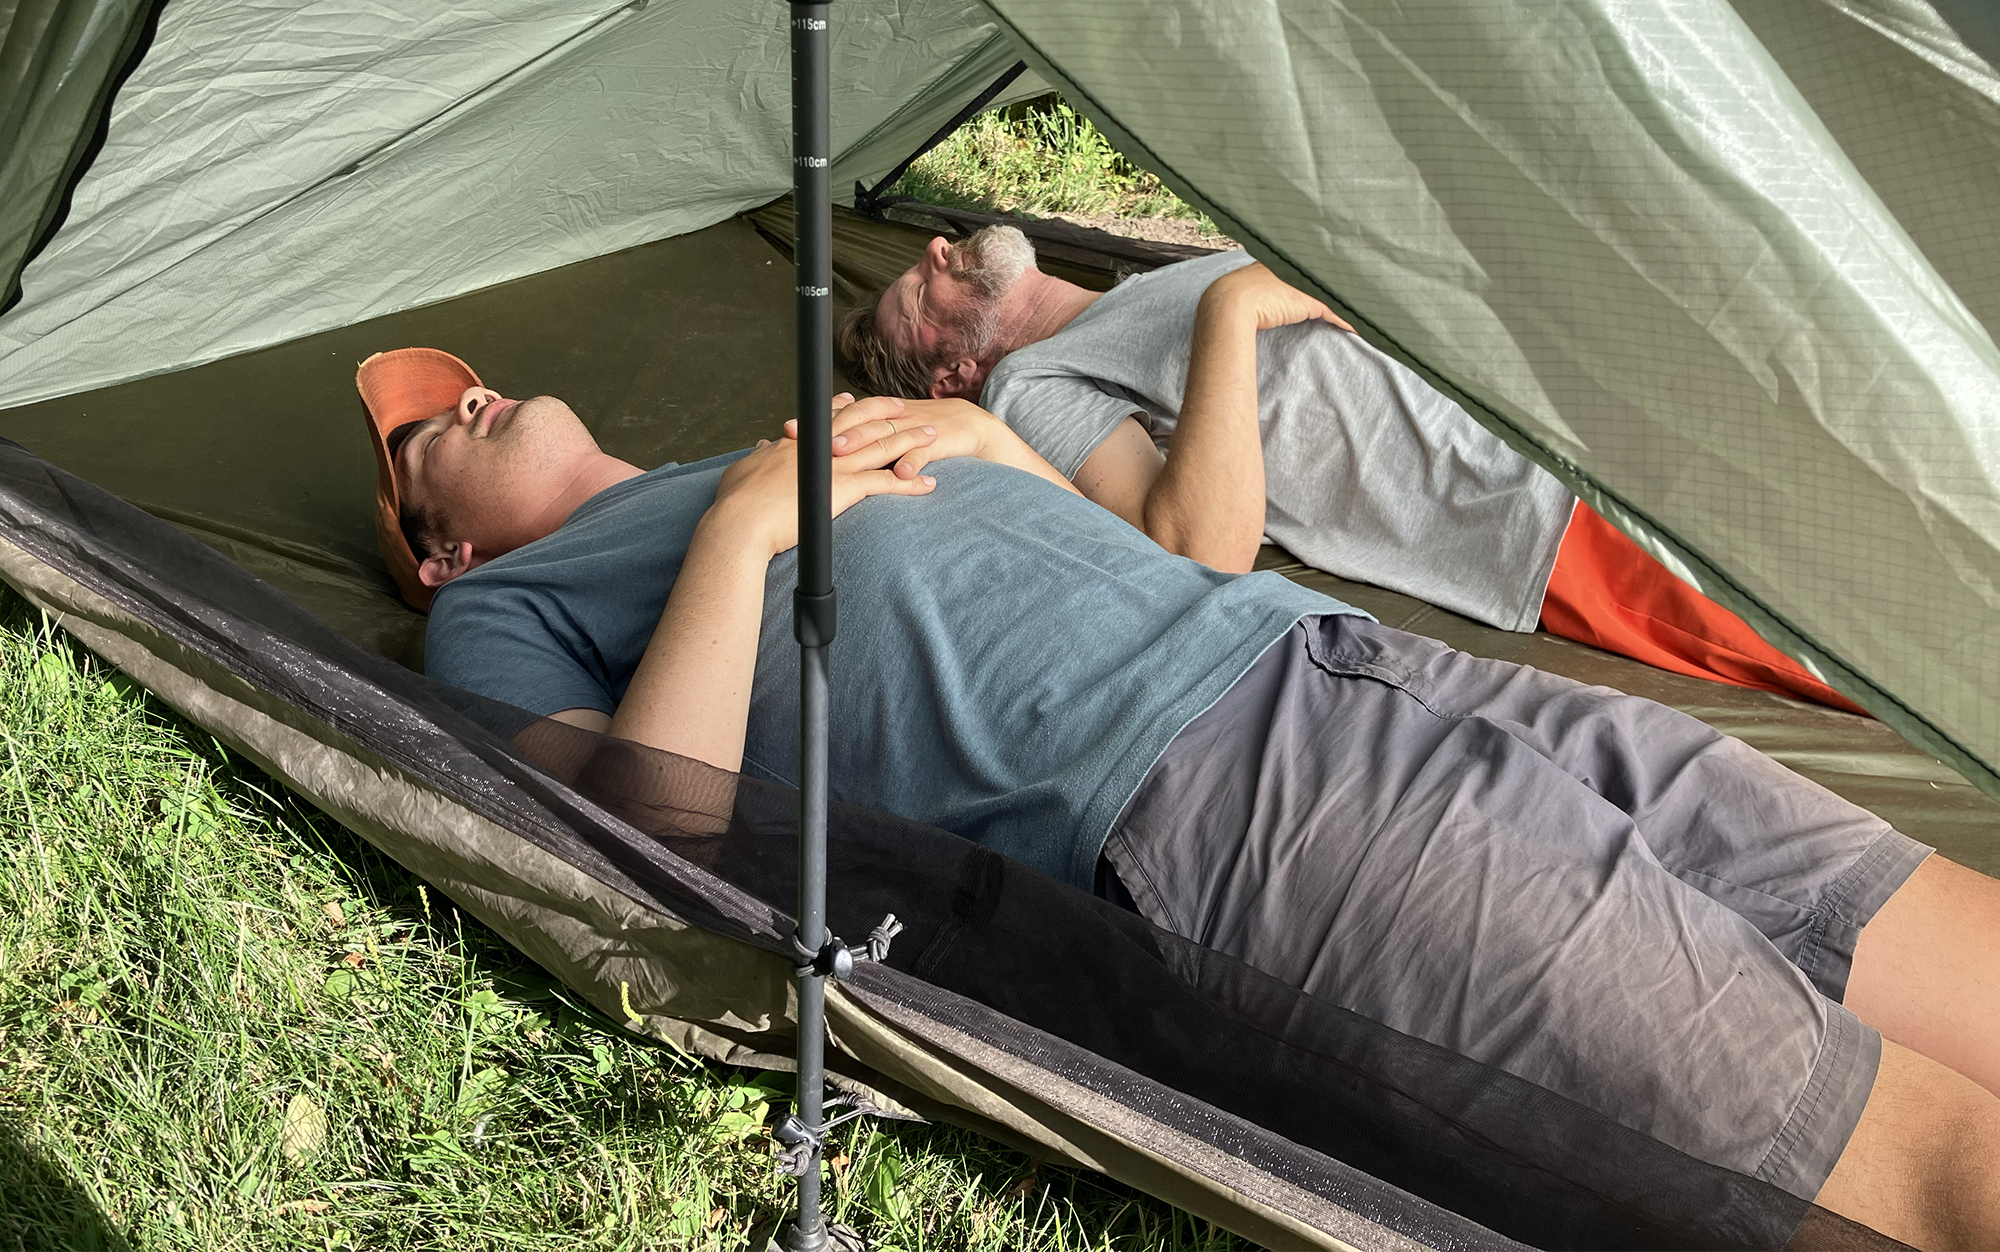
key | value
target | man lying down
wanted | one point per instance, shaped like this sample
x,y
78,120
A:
x,y
1209,404
1591,891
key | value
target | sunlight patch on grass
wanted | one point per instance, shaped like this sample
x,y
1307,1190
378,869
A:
x,y
1039,158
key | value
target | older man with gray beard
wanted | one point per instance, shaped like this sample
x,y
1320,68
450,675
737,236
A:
x,y
1211,406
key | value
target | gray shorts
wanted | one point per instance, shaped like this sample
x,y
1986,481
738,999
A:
x,y
1585,889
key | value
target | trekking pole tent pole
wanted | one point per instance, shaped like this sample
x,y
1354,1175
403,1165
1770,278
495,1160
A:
x,y
812,602
802,1135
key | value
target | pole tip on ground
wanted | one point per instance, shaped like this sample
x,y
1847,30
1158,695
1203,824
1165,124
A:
x,y
783,1237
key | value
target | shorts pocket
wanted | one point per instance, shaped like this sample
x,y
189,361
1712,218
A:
x,y
1352,646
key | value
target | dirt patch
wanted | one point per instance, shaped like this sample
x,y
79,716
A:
x,y
1178,230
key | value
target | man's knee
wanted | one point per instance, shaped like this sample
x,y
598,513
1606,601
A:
x,y
1927,969
1923,1165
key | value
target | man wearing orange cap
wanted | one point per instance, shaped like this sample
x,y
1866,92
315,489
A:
x,y
1591,891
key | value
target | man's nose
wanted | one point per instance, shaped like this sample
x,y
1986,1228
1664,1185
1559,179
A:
x,y
471,401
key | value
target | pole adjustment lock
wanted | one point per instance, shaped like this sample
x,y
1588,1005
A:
x,y
813,619
836,960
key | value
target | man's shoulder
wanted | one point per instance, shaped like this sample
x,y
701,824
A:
x,y
532,626
507,584
1034,368
1168,282
1179,280
1213,264
1132,307
491,597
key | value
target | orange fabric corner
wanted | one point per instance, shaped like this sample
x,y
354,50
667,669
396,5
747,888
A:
x,y
1607,592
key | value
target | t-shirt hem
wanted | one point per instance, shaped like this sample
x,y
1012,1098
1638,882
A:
x,y
553,707
1546,570
1103,422
1118,788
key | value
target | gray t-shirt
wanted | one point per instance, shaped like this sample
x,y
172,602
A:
x,y
1369,472
1011,659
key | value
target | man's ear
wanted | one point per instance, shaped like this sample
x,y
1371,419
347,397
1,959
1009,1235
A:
x,y
436,571
960,380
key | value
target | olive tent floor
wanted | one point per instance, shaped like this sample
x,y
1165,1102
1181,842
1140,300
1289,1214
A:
x,y
682,349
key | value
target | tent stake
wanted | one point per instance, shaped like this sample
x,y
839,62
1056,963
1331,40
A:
x,y
813,601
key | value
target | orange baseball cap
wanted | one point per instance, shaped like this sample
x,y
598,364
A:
x,y
400,387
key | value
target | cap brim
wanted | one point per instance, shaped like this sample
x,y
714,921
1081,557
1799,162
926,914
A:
x,y
400,387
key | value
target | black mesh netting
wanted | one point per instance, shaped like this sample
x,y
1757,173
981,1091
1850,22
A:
x,y
1070,985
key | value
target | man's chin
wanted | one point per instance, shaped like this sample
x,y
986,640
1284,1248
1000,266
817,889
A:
x,y
993,260
537,417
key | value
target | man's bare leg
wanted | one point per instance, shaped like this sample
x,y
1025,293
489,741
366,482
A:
x,y
1924,1163
1927,969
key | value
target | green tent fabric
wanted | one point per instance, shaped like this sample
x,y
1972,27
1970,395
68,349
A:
x,y
1723,269
276,170
1624,238
58,68
1621,233
1910,93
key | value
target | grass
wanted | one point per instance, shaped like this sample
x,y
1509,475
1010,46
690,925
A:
x,y
228,1023
1041,157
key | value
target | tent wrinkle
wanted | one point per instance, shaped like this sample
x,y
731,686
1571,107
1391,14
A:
x,y
60,66
1602,207
1948,49
693,92
895,121
868,200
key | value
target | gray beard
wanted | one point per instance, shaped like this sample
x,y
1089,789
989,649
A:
x,y
991,261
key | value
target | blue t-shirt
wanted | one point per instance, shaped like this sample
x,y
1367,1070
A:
x,y
1011,659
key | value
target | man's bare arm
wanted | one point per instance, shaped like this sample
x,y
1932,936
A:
x,y
1206,500
1119,474
691,692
